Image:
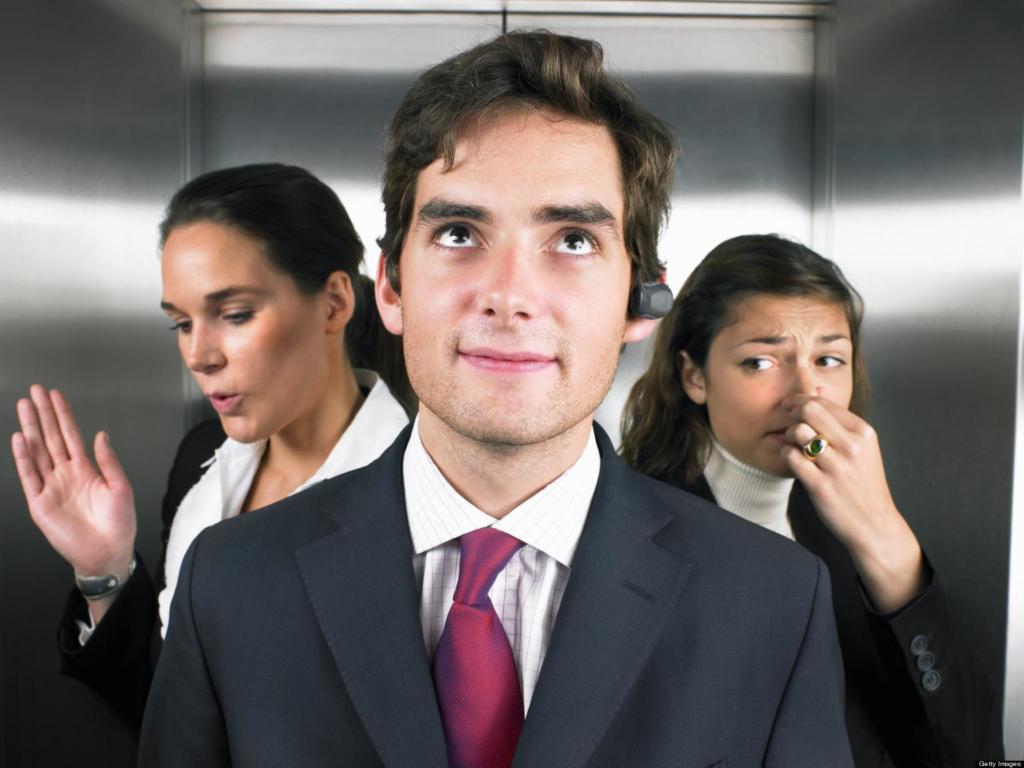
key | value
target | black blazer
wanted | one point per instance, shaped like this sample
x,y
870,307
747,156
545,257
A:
x,y
897,713
685,638
118,661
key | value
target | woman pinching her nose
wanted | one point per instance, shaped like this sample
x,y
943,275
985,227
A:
x,y
845,480
261,286
754,399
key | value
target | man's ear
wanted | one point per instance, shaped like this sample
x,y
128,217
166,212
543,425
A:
x,y
638,329
389,303
692,378
341,301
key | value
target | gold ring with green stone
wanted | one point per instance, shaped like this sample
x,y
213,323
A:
x,y
816,447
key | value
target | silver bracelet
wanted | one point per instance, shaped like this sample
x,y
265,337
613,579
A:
x,y
95,587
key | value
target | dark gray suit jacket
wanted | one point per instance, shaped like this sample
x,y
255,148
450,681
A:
x,y
685,638
896,713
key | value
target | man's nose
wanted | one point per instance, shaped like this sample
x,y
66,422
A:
x,y
511,285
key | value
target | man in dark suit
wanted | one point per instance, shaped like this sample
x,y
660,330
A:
x,y
499,588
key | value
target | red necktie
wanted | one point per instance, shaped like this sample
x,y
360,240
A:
x,y
474,672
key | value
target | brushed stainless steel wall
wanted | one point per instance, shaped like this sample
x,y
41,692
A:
x,y
926,221
317,89
90,149
909,174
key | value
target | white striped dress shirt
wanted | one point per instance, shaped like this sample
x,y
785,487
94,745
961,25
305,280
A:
x,y
527,593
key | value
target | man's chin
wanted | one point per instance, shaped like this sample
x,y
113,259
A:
x,y
503,428
506,433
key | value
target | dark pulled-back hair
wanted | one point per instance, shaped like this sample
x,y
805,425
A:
x,y
664,433
525,70
305,233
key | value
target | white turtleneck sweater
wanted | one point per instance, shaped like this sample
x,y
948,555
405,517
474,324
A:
x,y
748,492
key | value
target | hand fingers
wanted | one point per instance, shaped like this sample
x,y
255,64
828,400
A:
x,y
110,467
48,419
821,421
806,471
843,416
29,420
68,426
31,482
798,436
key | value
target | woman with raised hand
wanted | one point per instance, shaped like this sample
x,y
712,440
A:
x,y
260,268
755,400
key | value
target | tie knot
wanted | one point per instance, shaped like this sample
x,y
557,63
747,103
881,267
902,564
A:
x,y
483,553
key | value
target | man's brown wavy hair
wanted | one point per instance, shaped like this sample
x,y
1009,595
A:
x,y
527,70
664,433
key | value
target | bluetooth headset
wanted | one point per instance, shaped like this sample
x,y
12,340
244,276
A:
x,y
650,300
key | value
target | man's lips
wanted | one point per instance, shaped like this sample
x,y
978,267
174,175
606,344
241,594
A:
x,y
777,434
223,402
506,361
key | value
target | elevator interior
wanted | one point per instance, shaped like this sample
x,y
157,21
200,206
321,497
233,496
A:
x,y
887,136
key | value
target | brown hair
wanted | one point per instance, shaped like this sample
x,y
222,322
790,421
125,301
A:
x,y
528,70
664,433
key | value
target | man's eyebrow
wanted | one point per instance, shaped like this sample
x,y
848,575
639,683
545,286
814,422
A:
x,y
593,214
218,296
441,209
589,213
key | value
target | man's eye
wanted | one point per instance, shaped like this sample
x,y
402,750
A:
x,y
757,363
577,243
455,236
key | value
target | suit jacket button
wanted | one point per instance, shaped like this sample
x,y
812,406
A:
x,y
926,661
931,680
918,645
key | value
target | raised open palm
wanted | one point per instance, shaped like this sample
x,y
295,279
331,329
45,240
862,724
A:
x,y
87,514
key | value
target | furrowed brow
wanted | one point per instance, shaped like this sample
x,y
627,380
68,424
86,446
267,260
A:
x,y
439,209
773,340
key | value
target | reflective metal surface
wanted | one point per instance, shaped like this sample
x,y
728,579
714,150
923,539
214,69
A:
x,y
317,89
927,147
889,137
760,8
90,149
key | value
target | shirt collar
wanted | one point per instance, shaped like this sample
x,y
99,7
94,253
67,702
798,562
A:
x,y
551,520
371,431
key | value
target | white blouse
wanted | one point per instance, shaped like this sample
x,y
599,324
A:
x,y
222,490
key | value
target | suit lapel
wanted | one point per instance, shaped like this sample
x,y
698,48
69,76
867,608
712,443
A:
x,y
361,584
620,593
